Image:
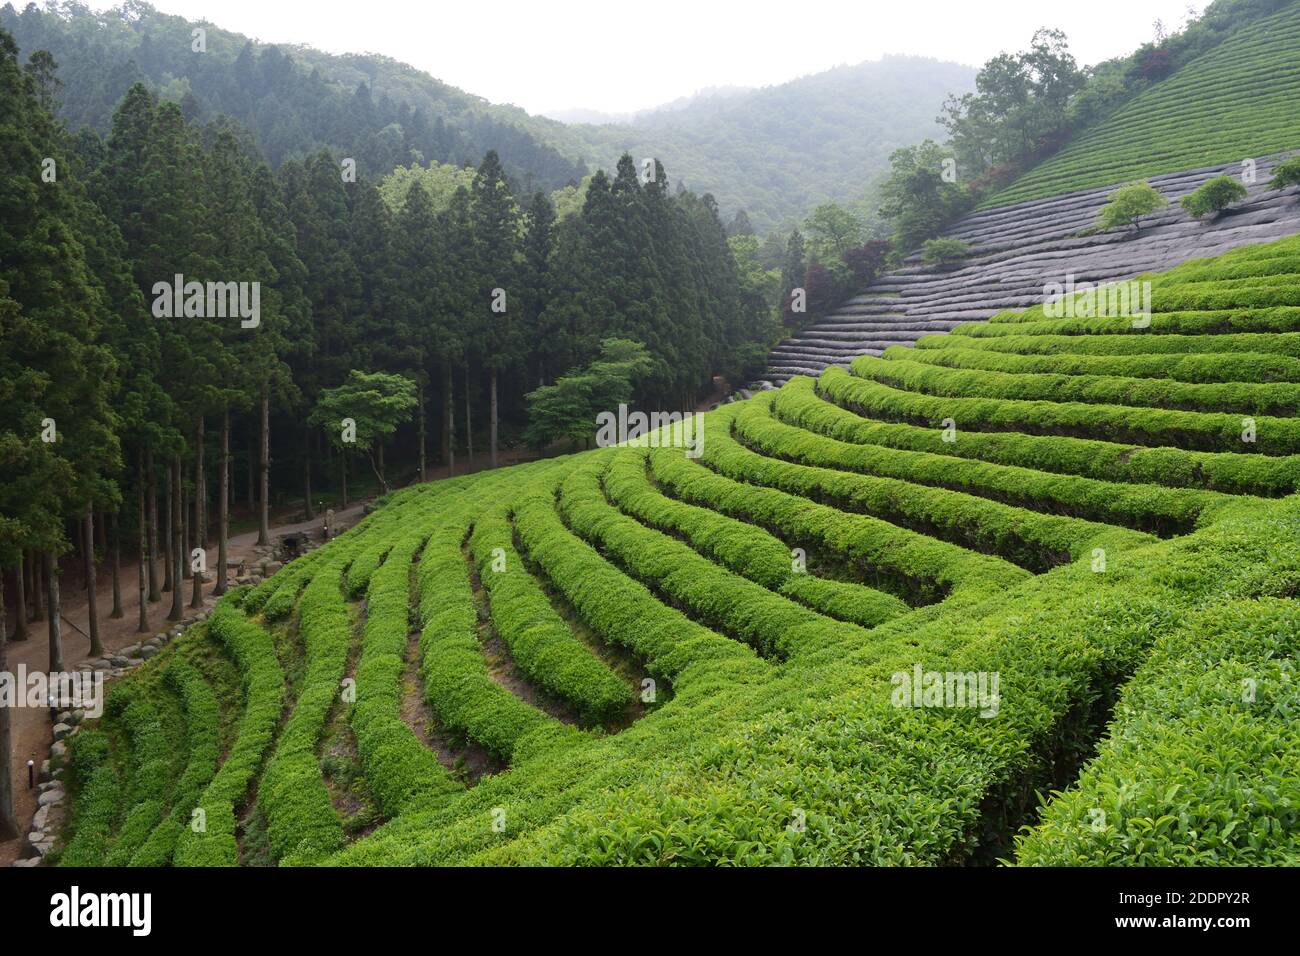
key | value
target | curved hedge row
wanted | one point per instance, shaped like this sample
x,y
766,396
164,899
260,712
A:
x,y
1034,541
771,624
302,824
401,772
203,754
1199,431
1228,320
618,608
1195,368
150,780
1240,398
210,841
799,404
921,568
1225,346
1200,763
540,641
1147,507
98,799
742,548
460,691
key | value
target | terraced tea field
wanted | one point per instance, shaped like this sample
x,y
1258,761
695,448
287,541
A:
x,y
1234,102
635,656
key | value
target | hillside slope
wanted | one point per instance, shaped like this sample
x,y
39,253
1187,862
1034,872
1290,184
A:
x,y
1236,102
1016,251
1056,504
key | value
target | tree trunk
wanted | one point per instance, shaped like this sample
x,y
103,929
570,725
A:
x,y
196,596
178,544
155,595
343,464
383,472
117,611
8,822
51,568
449,420
420,394
252,470
223,509
20,601
469,423
187,525
27,583
169,538
143,626
200,490
378,473
492,422
38,587
92,609
264,466
308,510
196,528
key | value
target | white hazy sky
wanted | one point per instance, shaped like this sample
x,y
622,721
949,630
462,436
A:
x,y
548,55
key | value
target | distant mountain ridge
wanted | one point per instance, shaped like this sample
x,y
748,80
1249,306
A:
x,y
778,151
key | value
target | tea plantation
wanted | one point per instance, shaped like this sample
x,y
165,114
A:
x,y
632,655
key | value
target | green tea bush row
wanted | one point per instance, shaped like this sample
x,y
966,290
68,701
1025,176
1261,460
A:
x,y
1227,320
799,404
1200,762
400,770
1147,507
539,639
1194,368
203,753
1241,398
1034,541
149,783
1226,347
460,691
726,602
742,548
97,804
616,607
1181,301
876,784
919,568
302,824
254,654
1193,431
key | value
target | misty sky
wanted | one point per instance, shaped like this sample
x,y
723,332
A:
x,y
550,55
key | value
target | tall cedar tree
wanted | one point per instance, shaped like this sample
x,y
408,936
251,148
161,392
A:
x,y
495,224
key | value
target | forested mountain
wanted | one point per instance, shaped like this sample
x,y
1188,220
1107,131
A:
x,y
776,152
295,100
780,151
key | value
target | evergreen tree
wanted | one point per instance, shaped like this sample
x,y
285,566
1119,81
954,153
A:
x,y
495,226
